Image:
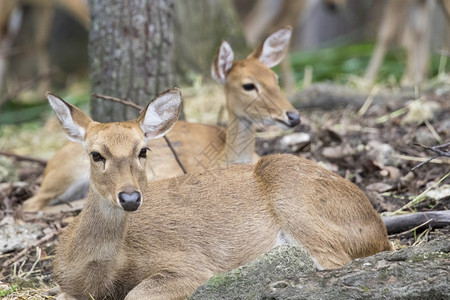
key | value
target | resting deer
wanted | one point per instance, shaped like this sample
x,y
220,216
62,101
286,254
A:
x,y
252,96
143,239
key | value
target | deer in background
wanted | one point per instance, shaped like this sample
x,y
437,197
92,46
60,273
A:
x,y
408,21
140,239
252,96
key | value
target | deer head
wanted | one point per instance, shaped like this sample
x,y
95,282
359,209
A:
x,y
118,152
251,87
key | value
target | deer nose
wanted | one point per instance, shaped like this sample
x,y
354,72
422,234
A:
x,y
130,201
293,118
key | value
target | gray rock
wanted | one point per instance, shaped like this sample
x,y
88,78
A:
x,y
15,236
248,281
419,272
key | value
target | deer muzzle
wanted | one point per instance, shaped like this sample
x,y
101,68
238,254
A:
x,y
130,201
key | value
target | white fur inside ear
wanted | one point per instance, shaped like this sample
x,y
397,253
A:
x,y
74,132
223,63
161,114
275,47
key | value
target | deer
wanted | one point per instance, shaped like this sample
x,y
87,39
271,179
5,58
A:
x,y
253,96
160,239
408,23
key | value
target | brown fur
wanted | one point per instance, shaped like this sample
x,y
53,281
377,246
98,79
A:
x,y
191,227
199,146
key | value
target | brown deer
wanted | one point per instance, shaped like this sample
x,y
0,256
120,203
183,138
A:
x,y
252,96
140,239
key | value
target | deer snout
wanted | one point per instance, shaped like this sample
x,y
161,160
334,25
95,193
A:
x,y
130,201
293,118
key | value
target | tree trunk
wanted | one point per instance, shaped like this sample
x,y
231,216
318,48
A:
x,y
130,53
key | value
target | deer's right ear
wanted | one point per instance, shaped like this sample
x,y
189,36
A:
x,y
73,120
272,51
222,63
160,114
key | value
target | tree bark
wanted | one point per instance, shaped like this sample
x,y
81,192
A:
x,y
130,53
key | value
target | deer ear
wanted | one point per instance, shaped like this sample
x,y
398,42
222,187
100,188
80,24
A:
x,y
222,63
160,114
73,120
272,51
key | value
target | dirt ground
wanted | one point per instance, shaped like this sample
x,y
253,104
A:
x,y
374,148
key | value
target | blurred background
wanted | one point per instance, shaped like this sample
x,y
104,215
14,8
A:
x,y
362,43
370,79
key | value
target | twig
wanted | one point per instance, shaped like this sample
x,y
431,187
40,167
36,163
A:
x,y
435,149
28,84
368,101
114,99
16,257
140,108
24,157
419,197
175,154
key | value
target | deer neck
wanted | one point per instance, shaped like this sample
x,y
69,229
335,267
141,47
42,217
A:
x,y
240,140
100,231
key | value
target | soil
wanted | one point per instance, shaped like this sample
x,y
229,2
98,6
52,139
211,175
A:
x,y
376,150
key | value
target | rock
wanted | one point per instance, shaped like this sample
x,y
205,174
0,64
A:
x,y
338,152
418,272
420,111
248,281
15,236
381,153
295,141
8,172
439,193
380,187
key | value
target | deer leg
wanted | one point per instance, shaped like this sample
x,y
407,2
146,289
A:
x,y
393,18
65,296
167,285
417,42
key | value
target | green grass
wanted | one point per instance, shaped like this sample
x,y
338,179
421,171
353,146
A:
x,y
338,63
12,289
15,112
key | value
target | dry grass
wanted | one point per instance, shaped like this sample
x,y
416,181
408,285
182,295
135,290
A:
x,y
204,101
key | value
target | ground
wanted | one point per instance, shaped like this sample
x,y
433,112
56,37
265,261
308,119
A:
x,y
375,148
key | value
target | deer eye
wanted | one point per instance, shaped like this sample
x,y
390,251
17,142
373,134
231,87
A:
x,y
143,153
248,86
97,157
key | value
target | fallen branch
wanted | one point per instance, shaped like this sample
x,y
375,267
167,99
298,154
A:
x,y
114,99
436,149
24,157
402,223
24,251
140,108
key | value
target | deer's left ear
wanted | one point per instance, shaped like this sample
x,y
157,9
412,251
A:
x,y
73,120
222,63
161,114
272,51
